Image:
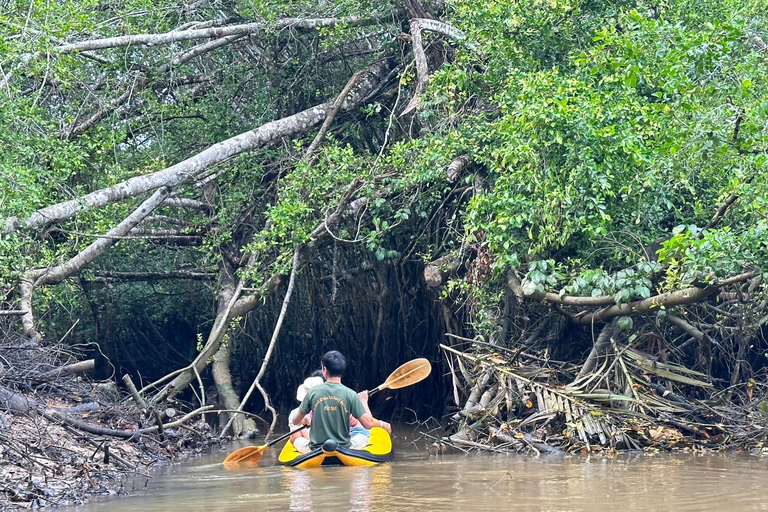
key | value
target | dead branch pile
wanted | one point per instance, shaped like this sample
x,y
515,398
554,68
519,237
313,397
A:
x,y
64,437
631,399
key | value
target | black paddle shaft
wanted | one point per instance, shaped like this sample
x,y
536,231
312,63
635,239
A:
x,y
284,436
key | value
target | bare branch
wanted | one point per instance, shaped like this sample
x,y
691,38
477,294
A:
x,y
214,32
513,281
107,276
665,300
75,264
309,154
422,72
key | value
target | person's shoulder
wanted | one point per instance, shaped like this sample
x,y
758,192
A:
x,y
315,390
350,391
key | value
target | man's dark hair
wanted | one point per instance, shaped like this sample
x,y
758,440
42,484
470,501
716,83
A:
x,y
335,362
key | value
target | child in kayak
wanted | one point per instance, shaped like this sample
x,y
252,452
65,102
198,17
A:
x,y
300,439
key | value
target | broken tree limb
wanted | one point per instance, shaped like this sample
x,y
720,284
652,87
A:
x,y
134,392
16,403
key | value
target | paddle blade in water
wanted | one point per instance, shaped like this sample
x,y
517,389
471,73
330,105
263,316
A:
x,y
410,373
247,454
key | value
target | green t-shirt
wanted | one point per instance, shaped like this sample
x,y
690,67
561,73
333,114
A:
x,y
331,404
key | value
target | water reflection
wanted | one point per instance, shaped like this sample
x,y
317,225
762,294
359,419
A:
x,y
300,489
368,487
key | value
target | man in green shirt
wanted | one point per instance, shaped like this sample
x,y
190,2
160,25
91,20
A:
x,y
331,404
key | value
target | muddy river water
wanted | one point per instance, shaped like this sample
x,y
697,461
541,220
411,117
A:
x,y
417,482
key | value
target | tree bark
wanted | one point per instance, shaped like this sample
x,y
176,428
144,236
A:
x,y
220,367
598,348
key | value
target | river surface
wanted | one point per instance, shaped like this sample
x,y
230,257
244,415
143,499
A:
x,y
417,482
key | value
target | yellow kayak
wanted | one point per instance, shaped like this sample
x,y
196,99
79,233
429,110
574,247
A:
x,y
378,450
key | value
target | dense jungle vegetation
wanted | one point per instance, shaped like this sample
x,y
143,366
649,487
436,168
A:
x,y
574,191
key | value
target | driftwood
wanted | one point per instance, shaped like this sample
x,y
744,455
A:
x,y
58,417
16,403
79,367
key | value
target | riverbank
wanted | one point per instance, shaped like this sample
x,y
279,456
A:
x,y
65,438
45,463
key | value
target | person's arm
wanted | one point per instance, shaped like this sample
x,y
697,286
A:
x,y
366,419
301,419
368,422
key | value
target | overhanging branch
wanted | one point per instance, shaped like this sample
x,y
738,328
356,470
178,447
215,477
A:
x,y
214,32
195,167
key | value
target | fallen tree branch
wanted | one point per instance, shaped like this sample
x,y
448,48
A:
x,y
35,278
58,417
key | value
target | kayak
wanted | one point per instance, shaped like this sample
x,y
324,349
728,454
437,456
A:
x,y
378,450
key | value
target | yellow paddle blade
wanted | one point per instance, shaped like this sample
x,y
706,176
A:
x,y
247,454
379,443
410,373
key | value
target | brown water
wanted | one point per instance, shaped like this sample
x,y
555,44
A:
x,y
416,482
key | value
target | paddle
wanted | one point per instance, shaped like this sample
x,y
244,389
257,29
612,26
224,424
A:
x,y
253,453
407,374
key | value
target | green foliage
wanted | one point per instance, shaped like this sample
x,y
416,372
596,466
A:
x,y
644,124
